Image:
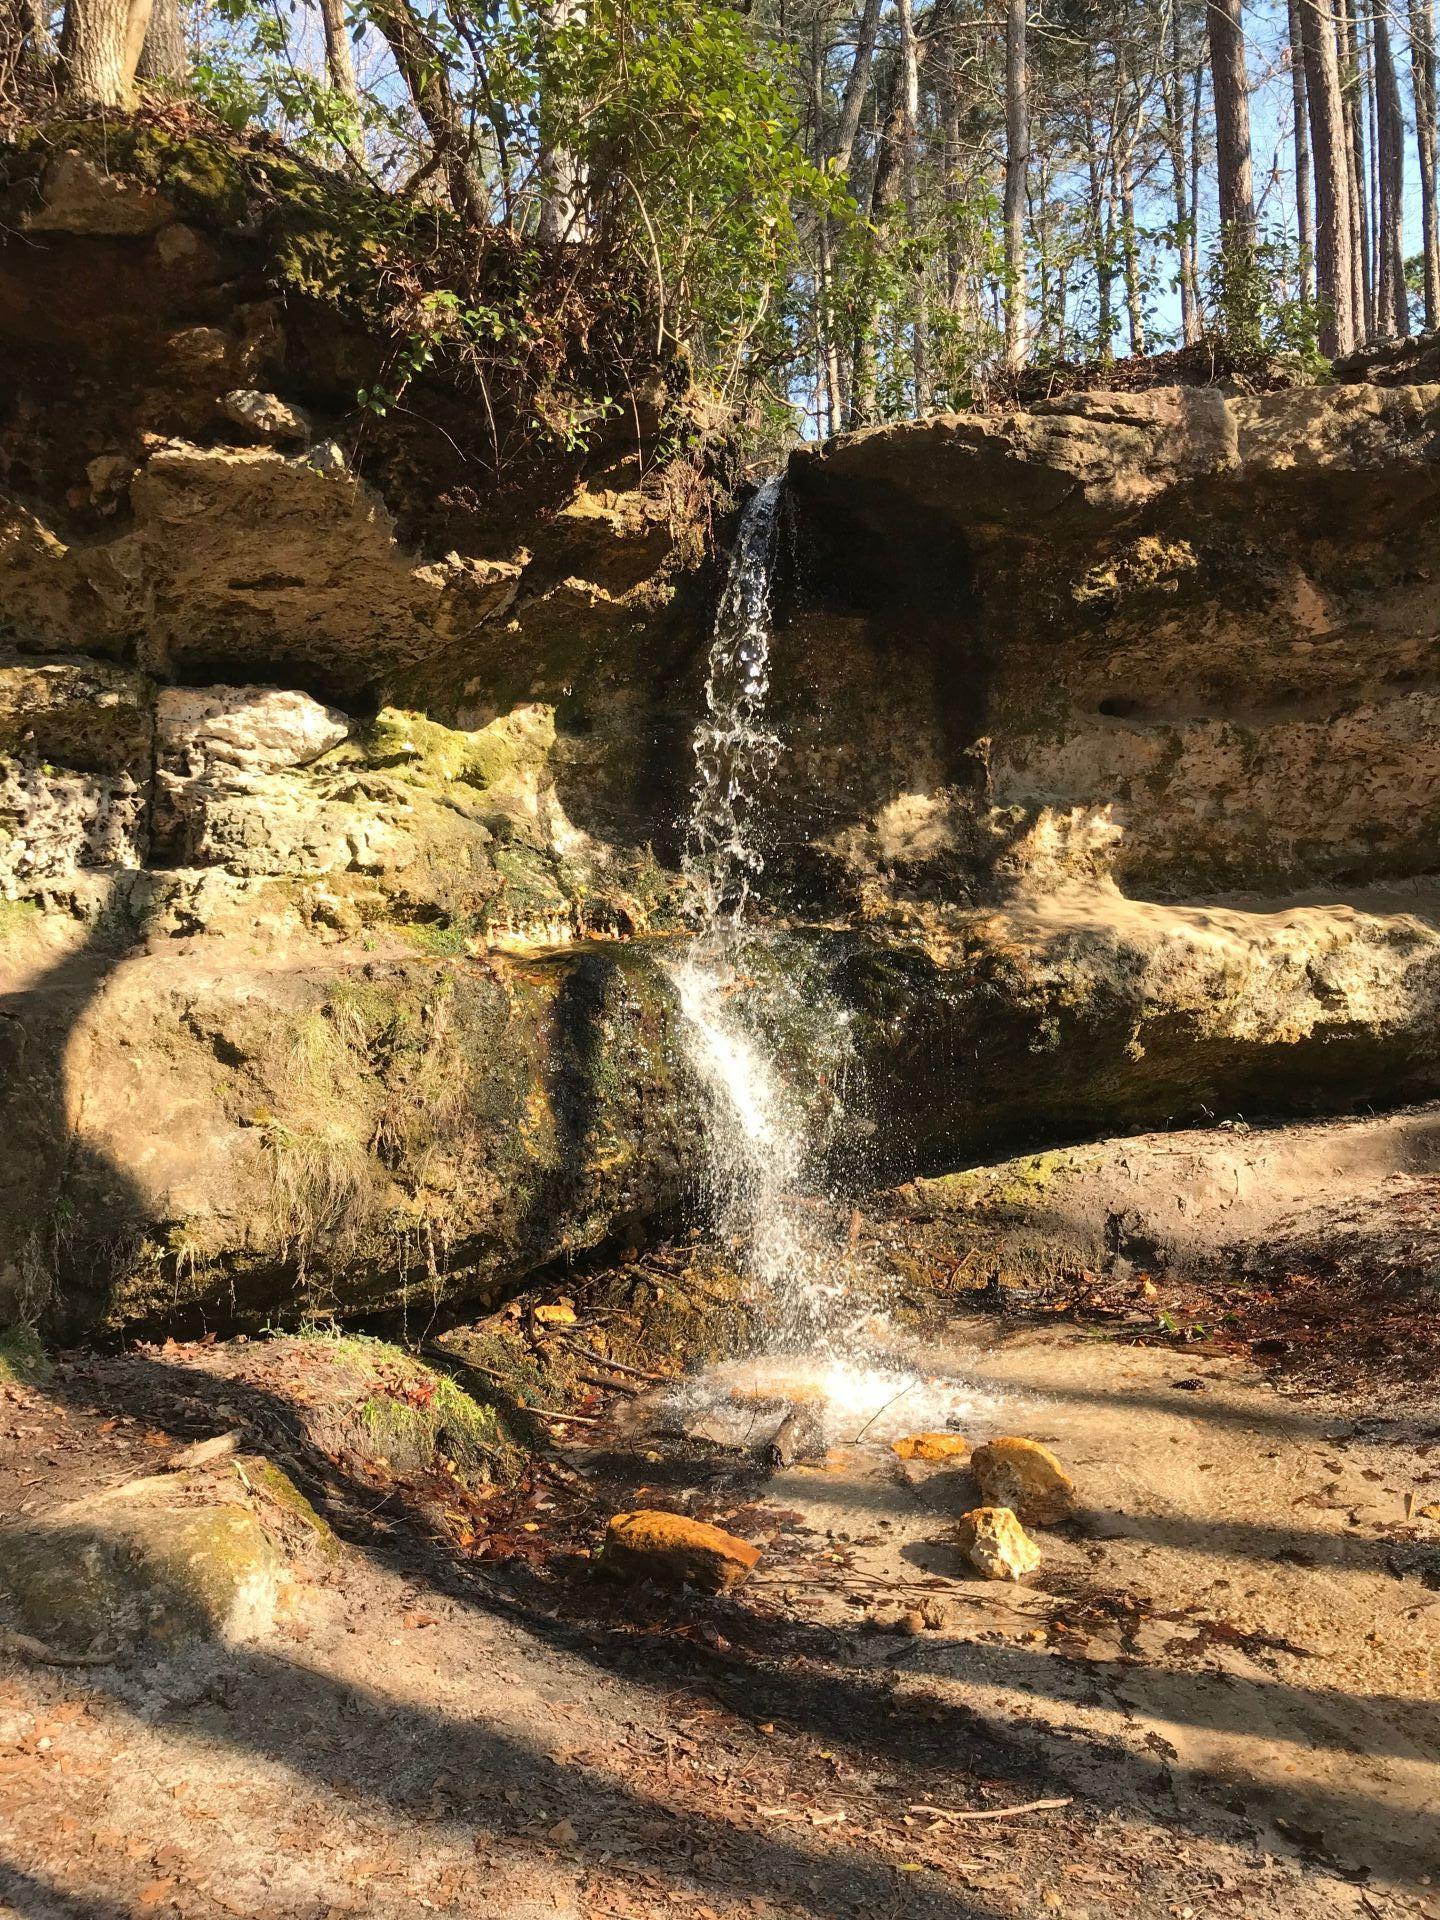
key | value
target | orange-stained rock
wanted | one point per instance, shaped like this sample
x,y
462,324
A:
x,y
559,1313
931,1446
995,1544
676,1551
1026,1477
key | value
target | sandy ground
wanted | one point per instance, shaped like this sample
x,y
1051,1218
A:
x,y
1226,1667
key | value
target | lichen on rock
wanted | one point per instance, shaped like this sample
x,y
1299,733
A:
x,y
142,1564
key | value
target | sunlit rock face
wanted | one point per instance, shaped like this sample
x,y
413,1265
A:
x,y
1175,639
339,868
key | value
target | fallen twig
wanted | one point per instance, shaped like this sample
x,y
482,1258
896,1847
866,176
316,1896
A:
x,y
432,1350
608,1386
885,1409
604,1360
991,1813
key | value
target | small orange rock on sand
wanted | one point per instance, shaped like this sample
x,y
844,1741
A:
x,y
674,1551
1026,1477
995,1544
931,1446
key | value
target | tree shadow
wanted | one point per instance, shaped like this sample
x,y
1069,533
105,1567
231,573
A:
x,y
33,1898
951,1493
71,1212
590,1001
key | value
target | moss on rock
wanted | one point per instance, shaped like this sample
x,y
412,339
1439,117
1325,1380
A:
x,y
390,1408
113,1569
256,1473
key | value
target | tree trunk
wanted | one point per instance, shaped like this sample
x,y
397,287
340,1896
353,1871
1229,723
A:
x,y
825,315
884,192
100,49
827,357
561,184
24,42
950,137
910,136
1392,300
1422,67
1062,311
426,77
1038,218
1099,238
1232,123
340,66
1130,252
14,27
1304,192
857,80
164,58
1173,98
1362,285
1017,160
1372,185
1332,175
1197,101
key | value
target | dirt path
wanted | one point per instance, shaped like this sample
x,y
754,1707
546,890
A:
x,y
1227,1665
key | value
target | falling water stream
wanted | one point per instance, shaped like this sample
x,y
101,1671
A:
x,y
758,1151
814,1299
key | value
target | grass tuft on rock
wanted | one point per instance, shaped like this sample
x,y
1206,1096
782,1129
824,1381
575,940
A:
x,y
23,1360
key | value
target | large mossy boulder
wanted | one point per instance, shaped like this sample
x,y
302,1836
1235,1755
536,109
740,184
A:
x,y
143,1563
241,1134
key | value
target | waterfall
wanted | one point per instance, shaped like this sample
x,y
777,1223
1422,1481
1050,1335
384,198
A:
x,y
749,1003
735,991
735,752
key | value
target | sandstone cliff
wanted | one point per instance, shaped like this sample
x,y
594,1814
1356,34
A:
x,y
338,803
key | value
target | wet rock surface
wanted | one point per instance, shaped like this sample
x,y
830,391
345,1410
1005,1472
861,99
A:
x,y
1026,1478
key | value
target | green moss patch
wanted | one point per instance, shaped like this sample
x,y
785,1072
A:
x,y
408,1418
513,748
263,1476
15,917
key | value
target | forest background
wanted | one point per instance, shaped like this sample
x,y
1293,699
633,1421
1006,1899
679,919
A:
x,y
838,211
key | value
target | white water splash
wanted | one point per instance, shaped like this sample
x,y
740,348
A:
x,y
854,1402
